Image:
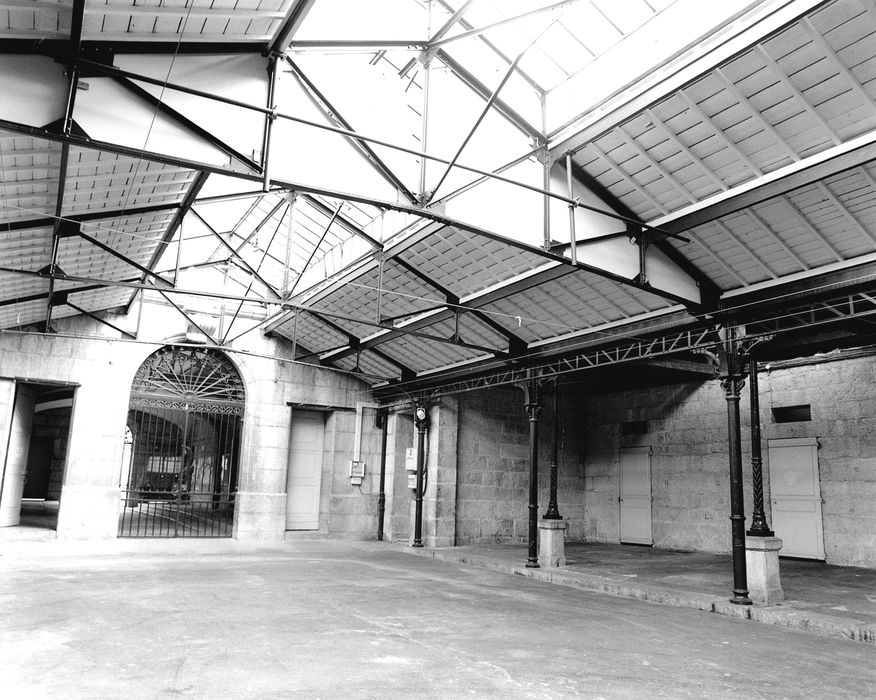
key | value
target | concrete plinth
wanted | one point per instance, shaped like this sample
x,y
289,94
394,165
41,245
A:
x,y
762,562
551,539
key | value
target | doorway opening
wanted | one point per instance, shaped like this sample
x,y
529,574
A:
x,y
635,496
181,453
36,455
795,497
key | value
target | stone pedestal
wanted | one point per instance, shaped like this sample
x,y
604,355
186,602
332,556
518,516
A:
x,y
762,562
551,539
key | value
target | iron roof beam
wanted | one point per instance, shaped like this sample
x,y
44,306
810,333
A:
x,y
187,316
192,126
353,341
804,172
238,258
423,321
342,220
470,80
711,292
108,249
294,19
467,26
424,213
516,344
330,111
100,320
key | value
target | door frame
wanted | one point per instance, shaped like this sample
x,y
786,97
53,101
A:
x,y
799,442
324,416
648,451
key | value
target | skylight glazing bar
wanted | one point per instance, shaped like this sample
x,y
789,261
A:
x,y
507,20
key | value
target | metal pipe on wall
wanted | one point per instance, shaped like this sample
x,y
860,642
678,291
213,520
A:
x,y
382,422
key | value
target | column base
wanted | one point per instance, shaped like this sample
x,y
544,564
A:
x,y
551,542
762,562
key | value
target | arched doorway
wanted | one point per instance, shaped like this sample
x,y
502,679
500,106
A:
x,y
180,469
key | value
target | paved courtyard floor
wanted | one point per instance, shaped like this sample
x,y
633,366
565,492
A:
x,y
308,619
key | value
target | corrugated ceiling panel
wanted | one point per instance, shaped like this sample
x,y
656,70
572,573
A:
x,y
26,249
375,368
311,333
95,300
97,180
45,19
470,331
467,263
14,286
403,292
244,20
135,237
22,314
807,88
573,303
420,354
830,221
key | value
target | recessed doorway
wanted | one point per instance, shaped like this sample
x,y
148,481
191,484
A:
x,y
36,455
180,457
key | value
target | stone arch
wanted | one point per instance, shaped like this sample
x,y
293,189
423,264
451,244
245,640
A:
x,y
185,414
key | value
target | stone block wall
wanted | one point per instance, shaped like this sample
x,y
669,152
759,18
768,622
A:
x,y
687,430
493,467
100,364
842,397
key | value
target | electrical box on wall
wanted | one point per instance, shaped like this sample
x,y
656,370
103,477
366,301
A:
x,y
357,472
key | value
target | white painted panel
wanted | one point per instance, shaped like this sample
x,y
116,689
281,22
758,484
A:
x,y
616,255
321,158
134,123
635,496
305,470
795,496
242,78
666,275
16,457
34,90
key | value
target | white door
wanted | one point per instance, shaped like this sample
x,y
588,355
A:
x,y
305,470
795,495
635,495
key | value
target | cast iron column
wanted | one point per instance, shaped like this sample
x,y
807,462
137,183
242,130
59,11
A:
x,y
533,409
421,421
732,379
759,525
553,512
382,422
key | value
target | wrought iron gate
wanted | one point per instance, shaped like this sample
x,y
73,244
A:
x,y
180,473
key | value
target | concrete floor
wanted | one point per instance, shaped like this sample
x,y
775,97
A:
x,y
838,601
322,619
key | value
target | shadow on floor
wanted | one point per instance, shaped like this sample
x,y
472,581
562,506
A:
x,y
834,600
39,514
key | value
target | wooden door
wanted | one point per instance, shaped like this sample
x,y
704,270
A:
x,y
305,470
635,495
795,496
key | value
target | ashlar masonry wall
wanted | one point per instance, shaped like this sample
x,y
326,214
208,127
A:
x,y
687,431
492,504
101,365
